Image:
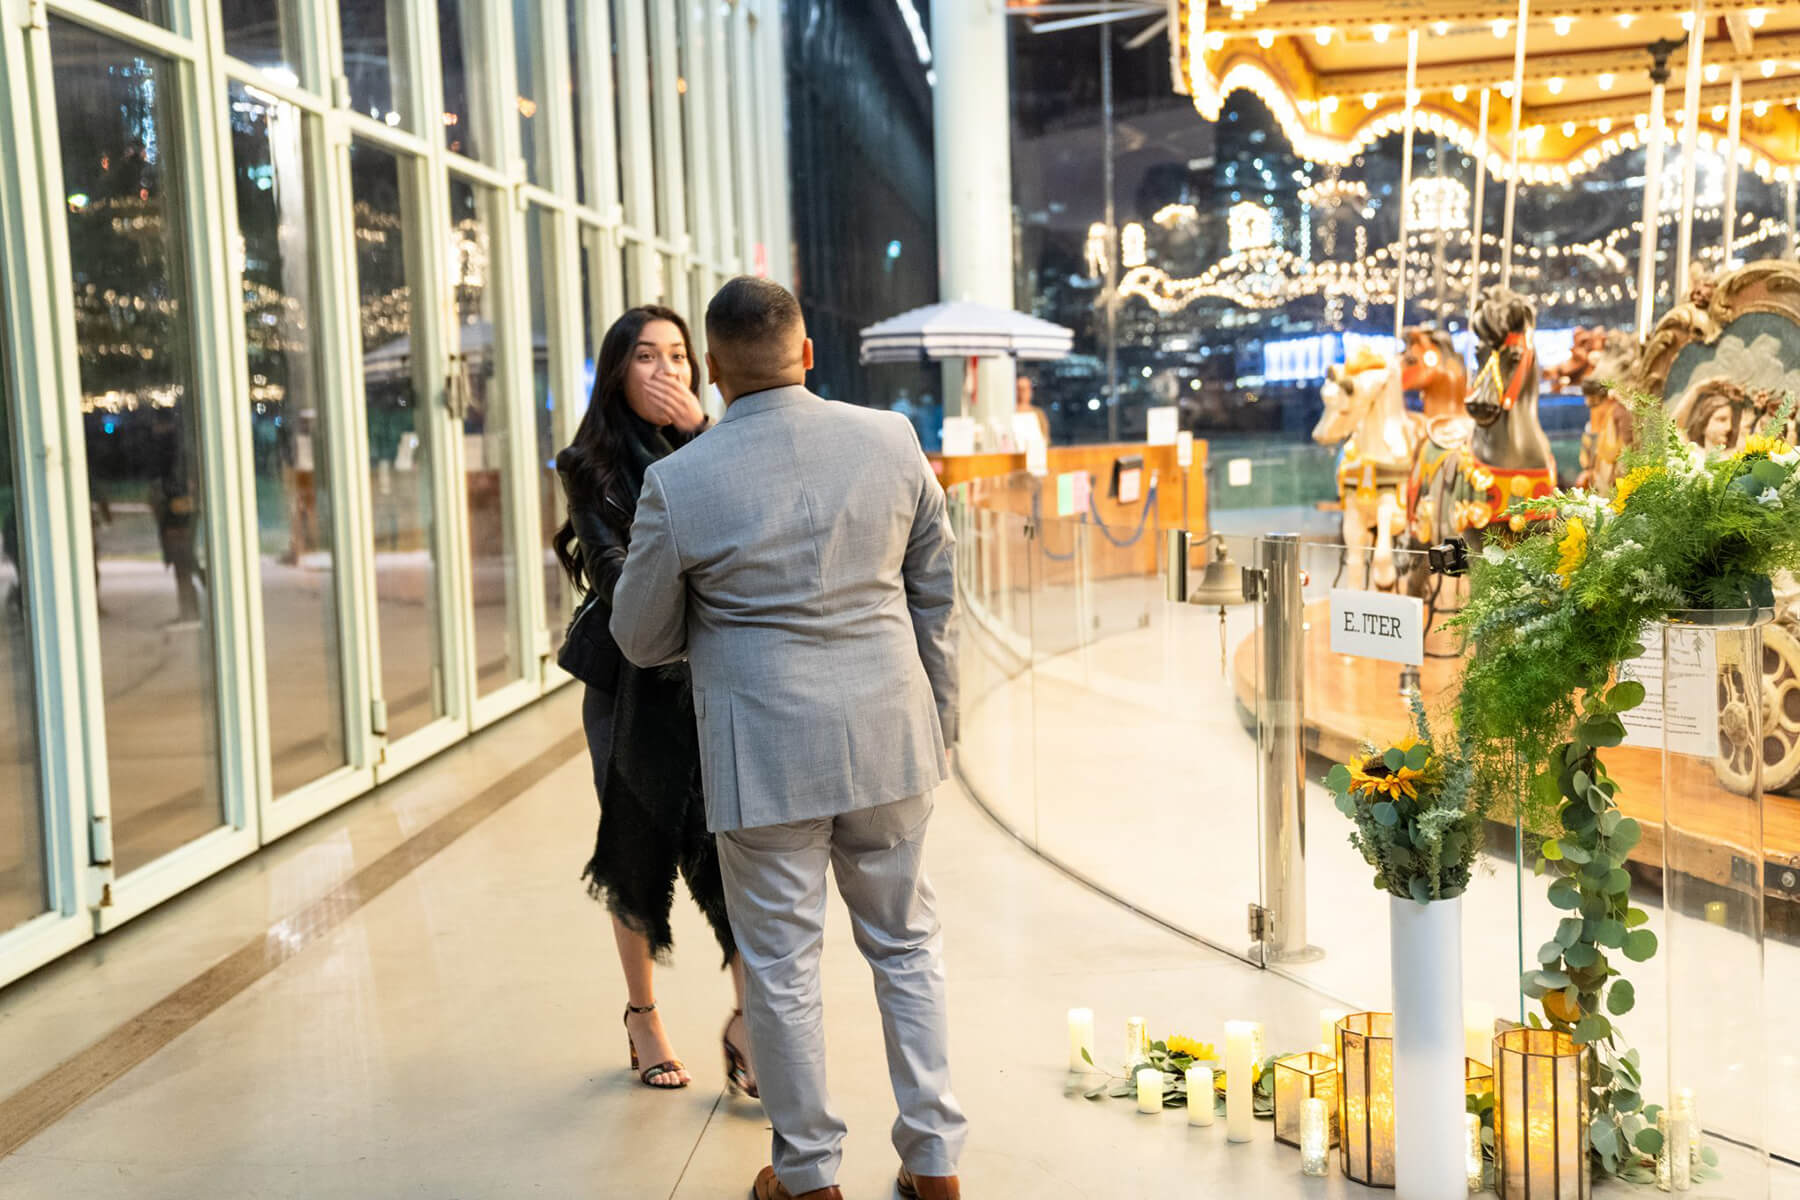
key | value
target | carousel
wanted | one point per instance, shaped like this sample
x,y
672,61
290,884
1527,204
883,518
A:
x,y
1537,94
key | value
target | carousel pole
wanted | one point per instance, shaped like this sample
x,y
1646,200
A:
x,y
1406,171
1512,178
1441,228
1481,141
1690,135
1653,159
1733,130
1790,212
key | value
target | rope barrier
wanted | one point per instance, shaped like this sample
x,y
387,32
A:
x,y
1037,521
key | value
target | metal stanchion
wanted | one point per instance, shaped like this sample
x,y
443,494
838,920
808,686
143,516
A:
x,y
1279,924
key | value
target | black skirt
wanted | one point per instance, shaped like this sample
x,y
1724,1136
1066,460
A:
x,y
655,831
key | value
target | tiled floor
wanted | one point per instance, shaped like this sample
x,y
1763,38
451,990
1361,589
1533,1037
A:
x,y
458,1036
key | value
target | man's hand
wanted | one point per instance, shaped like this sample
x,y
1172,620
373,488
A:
x,y
670,403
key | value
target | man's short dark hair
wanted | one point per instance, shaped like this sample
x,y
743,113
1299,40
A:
x,y
751,324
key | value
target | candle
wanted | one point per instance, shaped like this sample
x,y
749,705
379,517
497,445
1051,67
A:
x,y
1313,1139
1472,1124
1674,1166
1328,1019
1150,1090
1200,1095
1478,1032
1684,1107
1137,1046
1081,1039
1240,1079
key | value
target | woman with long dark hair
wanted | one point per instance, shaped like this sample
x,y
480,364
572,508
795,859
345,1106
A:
x,y
640,724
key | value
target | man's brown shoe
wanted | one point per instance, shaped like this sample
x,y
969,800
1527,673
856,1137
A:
x,y
929,1187
770,1188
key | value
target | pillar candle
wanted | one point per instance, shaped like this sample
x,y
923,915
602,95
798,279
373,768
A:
x,y
1314,1141
1478,1032
1150,1090
1328,1019
1081,1039
1684,1107
1474,1165
1240,1079
1137,1045
1200,1096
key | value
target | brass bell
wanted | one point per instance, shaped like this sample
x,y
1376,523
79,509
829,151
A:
x,y
1222,583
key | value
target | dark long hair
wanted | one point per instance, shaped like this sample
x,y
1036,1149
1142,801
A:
x,y
594,468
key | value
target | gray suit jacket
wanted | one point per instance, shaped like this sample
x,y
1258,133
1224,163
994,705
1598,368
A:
x,y
799,555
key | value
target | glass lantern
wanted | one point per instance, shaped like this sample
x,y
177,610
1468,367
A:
x,y
1540,1116
1298,1078
1365,1048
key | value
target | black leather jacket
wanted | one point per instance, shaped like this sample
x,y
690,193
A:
x,y
589,652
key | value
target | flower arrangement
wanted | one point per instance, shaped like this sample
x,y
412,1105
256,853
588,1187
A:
x,y
1173,1057
1415,820
1553,610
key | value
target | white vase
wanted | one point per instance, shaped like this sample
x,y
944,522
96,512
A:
x,y
1430,1138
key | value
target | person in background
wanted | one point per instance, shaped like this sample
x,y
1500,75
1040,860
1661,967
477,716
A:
x,y
800,556
640,723
1026,406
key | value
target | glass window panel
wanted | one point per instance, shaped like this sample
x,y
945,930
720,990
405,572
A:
x,y
287,422
24,879
618,95
577,11
739,121
486,432
156,11
400,484
267,34
460,51
535,144
657,132
120,157
690,46
539,245
375,58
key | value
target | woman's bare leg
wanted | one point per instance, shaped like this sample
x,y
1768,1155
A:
x,y
640,987
738,1030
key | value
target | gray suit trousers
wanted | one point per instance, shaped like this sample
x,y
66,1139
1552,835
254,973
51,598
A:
x,y
775,889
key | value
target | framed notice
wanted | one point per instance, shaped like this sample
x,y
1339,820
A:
x,y
1161,425
1128,479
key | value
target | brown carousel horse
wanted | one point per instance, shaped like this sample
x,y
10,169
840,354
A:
x,y
1502,454
1432,367
1365,409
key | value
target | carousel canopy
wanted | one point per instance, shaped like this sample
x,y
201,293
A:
x,y
1334,74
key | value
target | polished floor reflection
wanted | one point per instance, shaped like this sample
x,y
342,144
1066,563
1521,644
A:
x,y
457,1034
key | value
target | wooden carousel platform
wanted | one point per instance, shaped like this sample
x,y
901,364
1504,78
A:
x,y
1347,704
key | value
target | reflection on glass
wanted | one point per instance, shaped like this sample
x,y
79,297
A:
x,y
618,95
375,57
459,49
734,187
287,422
657,132
146,10
266,34
400,488
482,401
538,237
534,126
24,882
120,159
577,43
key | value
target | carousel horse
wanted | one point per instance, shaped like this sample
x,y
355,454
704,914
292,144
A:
x,y
1365,409
1609,422
1432,367
1505,456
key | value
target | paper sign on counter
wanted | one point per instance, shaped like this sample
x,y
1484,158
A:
x,y
1184,449
1378,625
1691,692
1161,425
1237,472
959,435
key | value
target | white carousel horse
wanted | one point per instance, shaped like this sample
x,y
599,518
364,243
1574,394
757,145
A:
x,y
1365,408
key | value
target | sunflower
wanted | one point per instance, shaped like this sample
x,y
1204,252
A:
x,y
1573,549
1197,1050
1762,445
1631,483
1373,778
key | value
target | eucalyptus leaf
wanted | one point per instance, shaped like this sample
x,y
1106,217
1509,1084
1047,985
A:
x,y
1626,837
1618,881
1386,814
1581,956
1608,822
1575,852
1421,891
1338,780
1551,980
1549,952
1640,945
1551,850
1564,894
1636,917
1610,933
1418,756
1625,694
1568,930
1394,759
1592,1028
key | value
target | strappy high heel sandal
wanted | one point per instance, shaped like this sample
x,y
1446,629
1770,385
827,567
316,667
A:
x,y
738,1079
648,1076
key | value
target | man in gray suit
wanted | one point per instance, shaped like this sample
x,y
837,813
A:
x,y
799,555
